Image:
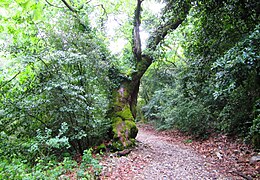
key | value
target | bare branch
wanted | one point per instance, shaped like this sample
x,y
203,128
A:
x,y
68,6
11,79
171,21
52,4
104,10
136,32
161,32
157,36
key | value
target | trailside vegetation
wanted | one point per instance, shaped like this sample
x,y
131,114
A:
x,y
207,79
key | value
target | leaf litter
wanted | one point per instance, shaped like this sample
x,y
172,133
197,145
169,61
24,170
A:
x,y
172,155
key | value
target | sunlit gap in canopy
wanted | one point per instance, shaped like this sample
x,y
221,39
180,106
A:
x,y
155,7
117,40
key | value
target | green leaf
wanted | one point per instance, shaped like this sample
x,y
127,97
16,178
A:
x,y
1,28
38,11
25,5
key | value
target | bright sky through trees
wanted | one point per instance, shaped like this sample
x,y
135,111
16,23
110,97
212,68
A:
x,y
117,44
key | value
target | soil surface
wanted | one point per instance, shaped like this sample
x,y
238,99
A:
x,y
160,157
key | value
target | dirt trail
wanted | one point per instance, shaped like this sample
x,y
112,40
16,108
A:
x,y
156,158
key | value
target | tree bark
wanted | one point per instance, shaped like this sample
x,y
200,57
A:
x,y
124,129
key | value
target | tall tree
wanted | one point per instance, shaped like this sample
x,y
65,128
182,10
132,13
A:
x,y
124,98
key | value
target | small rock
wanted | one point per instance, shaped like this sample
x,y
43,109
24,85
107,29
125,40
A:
x,y
63,177
148,156
124,152
219,155
254,159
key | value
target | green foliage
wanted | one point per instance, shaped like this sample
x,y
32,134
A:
x,y
168,109
58,95
188,141
192,117
209,80
88,162
14,170
254,133
56,75
238,67
61,81
236,81
44,144
50,169
12,147
236,116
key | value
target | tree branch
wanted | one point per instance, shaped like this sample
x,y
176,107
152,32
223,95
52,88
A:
x,y
157,37
11,79
68,6
52,4
75,15
104,10
162,31
136,32
174,15
159,34
102,17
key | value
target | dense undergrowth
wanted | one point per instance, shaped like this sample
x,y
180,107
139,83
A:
x,y
50,168
54,88
210,83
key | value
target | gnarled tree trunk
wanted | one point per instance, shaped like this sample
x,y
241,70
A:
x,y
124,98
124,129
123,110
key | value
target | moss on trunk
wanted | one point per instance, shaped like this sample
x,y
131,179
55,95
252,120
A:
x,y
124,129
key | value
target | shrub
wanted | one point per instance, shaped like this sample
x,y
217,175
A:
x,y
169,109
16,169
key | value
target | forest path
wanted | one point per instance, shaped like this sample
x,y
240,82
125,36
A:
x,y
157,157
